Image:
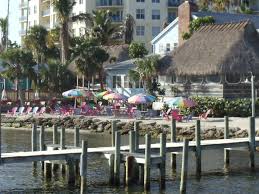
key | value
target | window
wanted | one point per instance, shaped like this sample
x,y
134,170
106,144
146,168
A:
x,y
127,82
168,47
35,9
140,1
196,79
161,47
213,79
155,1
155,14
175,45
81,1
116,81
171,16
233,78
155,30
140,14
140,30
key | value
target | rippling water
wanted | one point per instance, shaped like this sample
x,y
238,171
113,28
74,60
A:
x,y
22,178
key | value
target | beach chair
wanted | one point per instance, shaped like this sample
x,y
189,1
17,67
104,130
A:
x,y
167,114
28,110
12,112
42,110
20,110
34,110
109,111
205,115
176,115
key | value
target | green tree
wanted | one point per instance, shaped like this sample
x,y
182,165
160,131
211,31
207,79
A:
x,y
129,25
203,5
89,58
18,64
146,70
137,50
3,26
64,10
220,5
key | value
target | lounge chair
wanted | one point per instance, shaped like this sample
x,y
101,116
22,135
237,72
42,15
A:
x,y
28,110
42,110
20,110
34,110
206,114
13,111
167,114
176,115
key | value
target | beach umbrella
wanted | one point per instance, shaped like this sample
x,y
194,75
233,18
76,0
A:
x,y
181,102
115,96
101,94
141,99
74,93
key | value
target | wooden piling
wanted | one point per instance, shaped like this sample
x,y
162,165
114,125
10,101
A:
x,y
47,170
130,170
55,134
173,139
117,158
198,147
83,167
114,129
132,142
184,171
136,129
70,172
111,165
226,136
163,156
76,137
62,138
42,138
252,142
147,162
34,137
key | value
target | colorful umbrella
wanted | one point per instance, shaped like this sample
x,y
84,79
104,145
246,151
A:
x,y
101,94
141,99
181,102
114,96
75,93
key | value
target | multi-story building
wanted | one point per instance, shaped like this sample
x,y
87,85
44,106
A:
x,y
149,15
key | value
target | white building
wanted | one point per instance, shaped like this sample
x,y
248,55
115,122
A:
x,y
149,15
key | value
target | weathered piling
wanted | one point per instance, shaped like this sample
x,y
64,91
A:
x,y
111,165
163,156
226,136
184,171
132,139
173,139
55,134
252,142
34,137
83,167
117,158
42,142
62,138
130,170
114,129
136,129
198,147
76,137
70,172
47,170
147,162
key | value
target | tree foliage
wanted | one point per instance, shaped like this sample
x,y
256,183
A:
x,y
3,26
129,24
137,50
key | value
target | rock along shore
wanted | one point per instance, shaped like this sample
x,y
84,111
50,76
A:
x,y
94,125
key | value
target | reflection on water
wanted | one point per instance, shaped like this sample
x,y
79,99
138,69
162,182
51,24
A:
x,y
23,178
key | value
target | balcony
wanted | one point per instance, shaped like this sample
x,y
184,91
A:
x,y
174,3
23,19
22,32
109,3
116,18
45,13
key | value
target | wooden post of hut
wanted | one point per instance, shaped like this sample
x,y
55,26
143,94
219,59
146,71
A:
x,y
83,167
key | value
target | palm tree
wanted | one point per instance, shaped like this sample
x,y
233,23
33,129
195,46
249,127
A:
x,y
64,9
18,65
129,25
3,26
220,5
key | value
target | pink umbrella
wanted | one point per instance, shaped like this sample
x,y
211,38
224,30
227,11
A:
x,y
114,96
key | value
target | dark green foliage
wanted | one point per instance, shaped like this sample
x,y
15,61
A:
x,y
137,50
222,107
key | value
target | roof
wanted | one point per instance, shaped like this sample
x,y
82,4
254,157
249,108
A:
x,y
128,64
218,49
165,30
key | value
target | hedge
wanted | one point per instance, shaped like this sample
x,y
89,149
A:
x,y
222,107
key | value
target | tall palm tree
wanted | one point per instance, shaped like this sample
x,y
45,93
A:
x,y
220,5
3,26
64,9
129,25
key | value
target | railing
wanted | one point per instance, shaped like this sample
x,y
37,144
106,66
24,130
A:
x,y
23,18
116,18
108,3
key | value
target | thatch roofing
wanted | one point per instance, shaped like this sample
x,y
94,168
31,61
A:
x,y
218,49
118,53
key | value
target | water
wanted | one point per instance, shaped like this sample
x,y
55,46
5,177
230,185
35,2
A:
x,y
21,178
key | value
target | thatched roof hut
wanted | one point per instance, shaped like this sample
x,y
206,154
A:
x,y
231,48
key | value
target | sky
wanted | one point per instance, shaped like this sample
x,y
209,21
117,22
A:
x,y
14,25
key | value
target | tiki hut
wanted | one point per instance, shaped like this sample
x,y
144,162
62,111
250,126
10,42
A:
x,y
217,60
